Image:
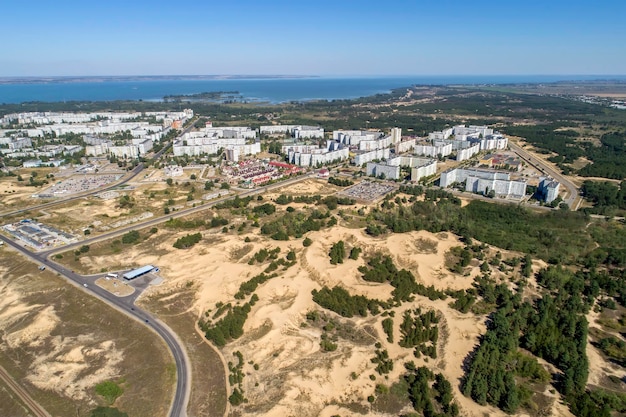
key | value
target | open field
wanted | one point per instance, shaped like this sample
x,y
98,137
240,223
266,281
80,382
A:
x,y
15,194
10,403
58,343
124,206
285,370
209,385
284,366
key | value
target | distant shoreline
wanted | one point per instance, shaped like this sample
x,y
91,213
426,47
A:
x,y
126,78
479,79
271,89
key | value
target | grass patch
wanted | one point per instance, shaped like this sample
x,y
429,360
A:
x,y
84,321
109,390
208,389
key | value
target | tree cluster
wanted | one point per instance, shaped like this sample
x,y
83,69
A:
x,y
188,241
421,331
337,253
422,392
384,364
230,326
295,224
340,182
264,209
131,237
340,301
380,268
251,285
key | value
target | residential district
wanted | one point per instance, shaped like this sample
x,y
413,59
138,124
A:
x,y
471,158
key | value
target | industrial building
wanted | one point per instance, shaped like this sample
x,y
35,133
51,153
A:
x,y
138,272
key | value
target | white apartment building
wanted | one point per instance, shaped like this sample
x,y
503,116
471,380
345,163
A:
x,y
308,132
354,137
16,143
276,129
396,135
442,135
305,155
489,142
433,150
420,167
467,136
49,118
296,131
481,181
229,132
206,146
463,154
99,149
472,129
125,151
365,157
137,148
379,143
405,145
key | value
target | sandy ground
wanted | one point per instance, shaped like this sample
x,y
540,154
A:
x,y
63,363
599,368
294,375
11,192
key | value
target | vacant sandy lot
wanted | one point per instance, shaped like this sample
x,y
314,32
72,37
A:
x,y
59,343
294,376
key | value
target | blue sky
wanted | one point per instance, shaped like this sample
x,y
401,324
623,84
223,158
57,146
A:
x,y
331,38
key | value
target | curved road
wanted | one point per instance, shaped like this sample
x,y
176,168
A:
x,y
124,304
573,200
127,306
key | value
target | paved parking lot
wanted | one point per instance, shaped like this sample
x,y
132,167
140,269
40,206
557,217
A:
x,y
368,191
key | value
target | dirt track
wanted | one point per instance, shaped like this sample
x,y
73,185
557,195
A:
x,y
23,395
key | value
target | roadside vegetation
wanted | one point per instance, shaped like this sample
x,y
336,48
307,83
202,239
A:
x,y
586,256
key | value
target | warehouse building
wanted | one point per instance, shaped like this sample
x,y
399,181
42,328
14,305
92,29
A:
x,y
138,272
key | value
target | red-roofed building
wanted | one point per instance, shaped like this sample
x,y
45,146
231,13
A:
x,y
323,173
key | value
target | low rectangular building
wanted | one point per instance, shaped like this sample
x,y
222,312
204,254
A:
x,y
138,272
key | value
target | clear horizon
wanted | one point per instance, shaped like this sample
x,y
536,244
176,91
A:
x,y
331,76
322,38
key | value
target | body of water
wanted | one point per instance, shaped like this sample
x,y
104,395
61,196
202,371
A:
x,y
268,90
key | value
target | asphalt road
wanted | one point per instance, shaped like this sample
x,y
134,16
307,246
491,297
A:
x,y
124,304
572,198
127,306
162,219
133,173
